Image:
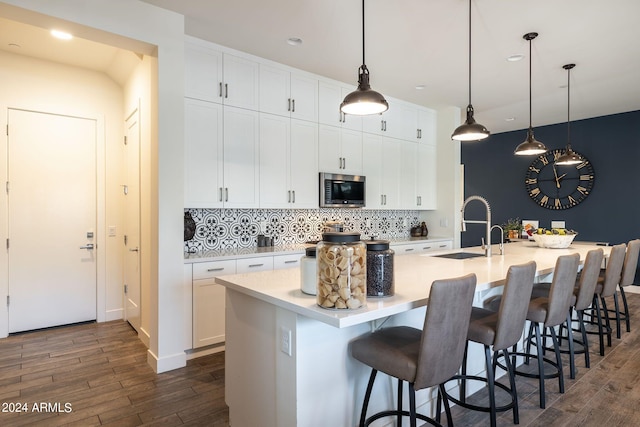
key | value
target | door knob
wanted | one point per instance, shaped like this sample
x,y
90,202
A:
x,y
88,246
133,250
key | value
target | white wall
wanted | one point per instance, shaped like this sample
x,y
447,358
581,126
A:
x,y
44,86
137,26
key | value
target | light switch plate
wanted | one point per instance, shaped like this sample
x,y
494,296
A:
x,y
558,224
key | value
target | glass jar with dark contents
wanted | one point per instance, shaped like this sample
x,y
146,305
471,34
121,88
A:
x,y
380,281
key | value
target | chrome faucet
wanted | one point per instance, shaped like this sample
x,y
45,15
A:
x,y
487,246
501,246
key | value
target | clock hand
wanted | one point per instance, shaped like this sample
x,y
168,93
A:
x,y
555,173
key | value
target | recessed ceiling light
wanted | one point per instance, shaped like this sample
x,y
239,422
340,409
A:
x,y
420,87
515,58
61,35
509,119
294,41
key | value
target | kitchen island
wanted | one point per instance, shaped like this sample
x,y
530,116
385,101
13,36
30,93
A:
x,y
287,361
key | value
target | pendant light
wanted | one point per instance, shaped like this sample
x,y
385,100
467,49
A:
x,y
569,157
530,146
470,130
364,100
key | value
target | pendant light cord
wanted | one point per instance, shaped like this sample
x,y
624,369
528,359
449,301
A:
x,y
568,109
363,63
469,52
530,121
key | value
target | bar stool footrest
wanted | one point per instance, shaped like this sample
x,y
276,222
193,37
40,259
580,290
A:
x,y
471,406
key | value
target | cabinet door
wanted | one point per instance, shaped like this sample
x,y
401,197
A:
x,y
241,82
371,169
329,99
349,121
203,159
286,261
304,98
251,265
303,165
329,154
275,191
427,125
208,302
405,122
275,94
241,162
373,123
426,186
408,173
202,73
390,169
351,144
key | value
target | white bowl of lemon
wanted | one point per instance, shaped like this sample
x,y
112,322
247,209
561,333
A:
x,y
556,238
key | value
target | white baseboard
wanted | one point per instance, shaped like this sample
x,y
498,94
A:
x,y
167,363
204,351
115,314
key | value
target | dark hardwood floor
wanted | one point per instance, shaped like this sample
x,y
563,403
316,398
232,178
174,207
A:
x,y
97,374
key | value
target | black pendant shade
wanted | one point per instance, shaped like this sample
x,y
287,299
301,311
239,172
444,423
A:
x,y
530,146
364,100
569,157
470,130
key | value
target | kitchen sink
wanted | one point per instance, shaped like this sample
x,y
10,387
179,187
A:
x,y
459,255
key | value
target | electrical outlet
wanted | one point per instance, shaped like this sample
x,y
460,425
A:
x,y
367,222
444,222
112,230
285,340
263,226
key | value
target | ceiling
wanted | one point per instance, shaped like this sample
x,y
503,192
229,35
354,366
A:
x,y
425,42
415,42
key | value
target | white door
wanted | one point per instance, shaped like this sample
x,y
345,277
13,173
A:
x,y
52,219
132,223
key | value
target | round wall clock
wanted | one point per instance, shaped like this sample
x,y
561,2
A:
x,y
558,186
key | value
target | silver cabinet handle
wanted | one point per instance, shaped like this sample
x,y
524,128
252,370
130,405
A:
x,y
210,270
344,163
443,246
226,194
220,90
293,106
426,248
293,261
255,265
88,246
294,196
382,199
289,106
226,90
408,250
220,194
382,125
133,250
289,196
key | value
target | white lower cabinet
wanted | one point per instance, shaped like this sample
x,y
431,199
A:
x,y
281,262
422,247
251,265
208,302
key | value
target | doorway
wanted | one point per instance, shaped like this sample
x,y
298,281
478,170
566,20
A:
x,y
52,247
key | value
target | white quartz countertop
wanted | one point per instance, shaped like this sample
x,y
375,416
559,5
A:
x,y
237,253
413,276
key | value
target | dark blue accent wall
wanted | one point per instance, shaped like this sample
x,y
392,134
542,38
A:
x,y
611,213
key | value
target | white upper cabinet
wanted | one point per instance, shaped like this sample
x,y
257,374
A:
x,y
288,163
381,166
241,149
340,150
408,175
203,154
427,122
288,94
426,185
330,96
214,76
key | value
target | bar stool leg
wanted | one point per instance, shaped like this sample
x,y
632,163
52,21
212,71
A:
x,y
412,405
585,342
399,419
626,309
617,308
367,395
536,328
607,322
556,347
596,304
512,384
572,361
447,408
463,383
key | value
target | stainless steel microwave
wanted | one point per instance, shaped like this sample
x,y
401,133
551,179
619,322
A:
x,y
342,191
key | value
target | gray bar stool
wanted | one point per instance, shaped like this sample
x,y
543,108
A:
x,y
424,358
628,276
607,283
550,311
498,331
580,301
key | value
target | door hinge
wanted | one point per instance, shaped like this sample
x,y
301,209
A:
x,y
125,140
125,239
126,288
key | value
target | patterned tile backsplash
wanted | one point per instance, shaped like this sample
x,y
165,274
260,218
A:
x,y
239,228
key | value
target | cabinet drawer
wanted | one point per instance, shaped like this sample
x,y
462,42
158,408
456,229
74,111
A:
x,y
210,269
250,265
286,261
